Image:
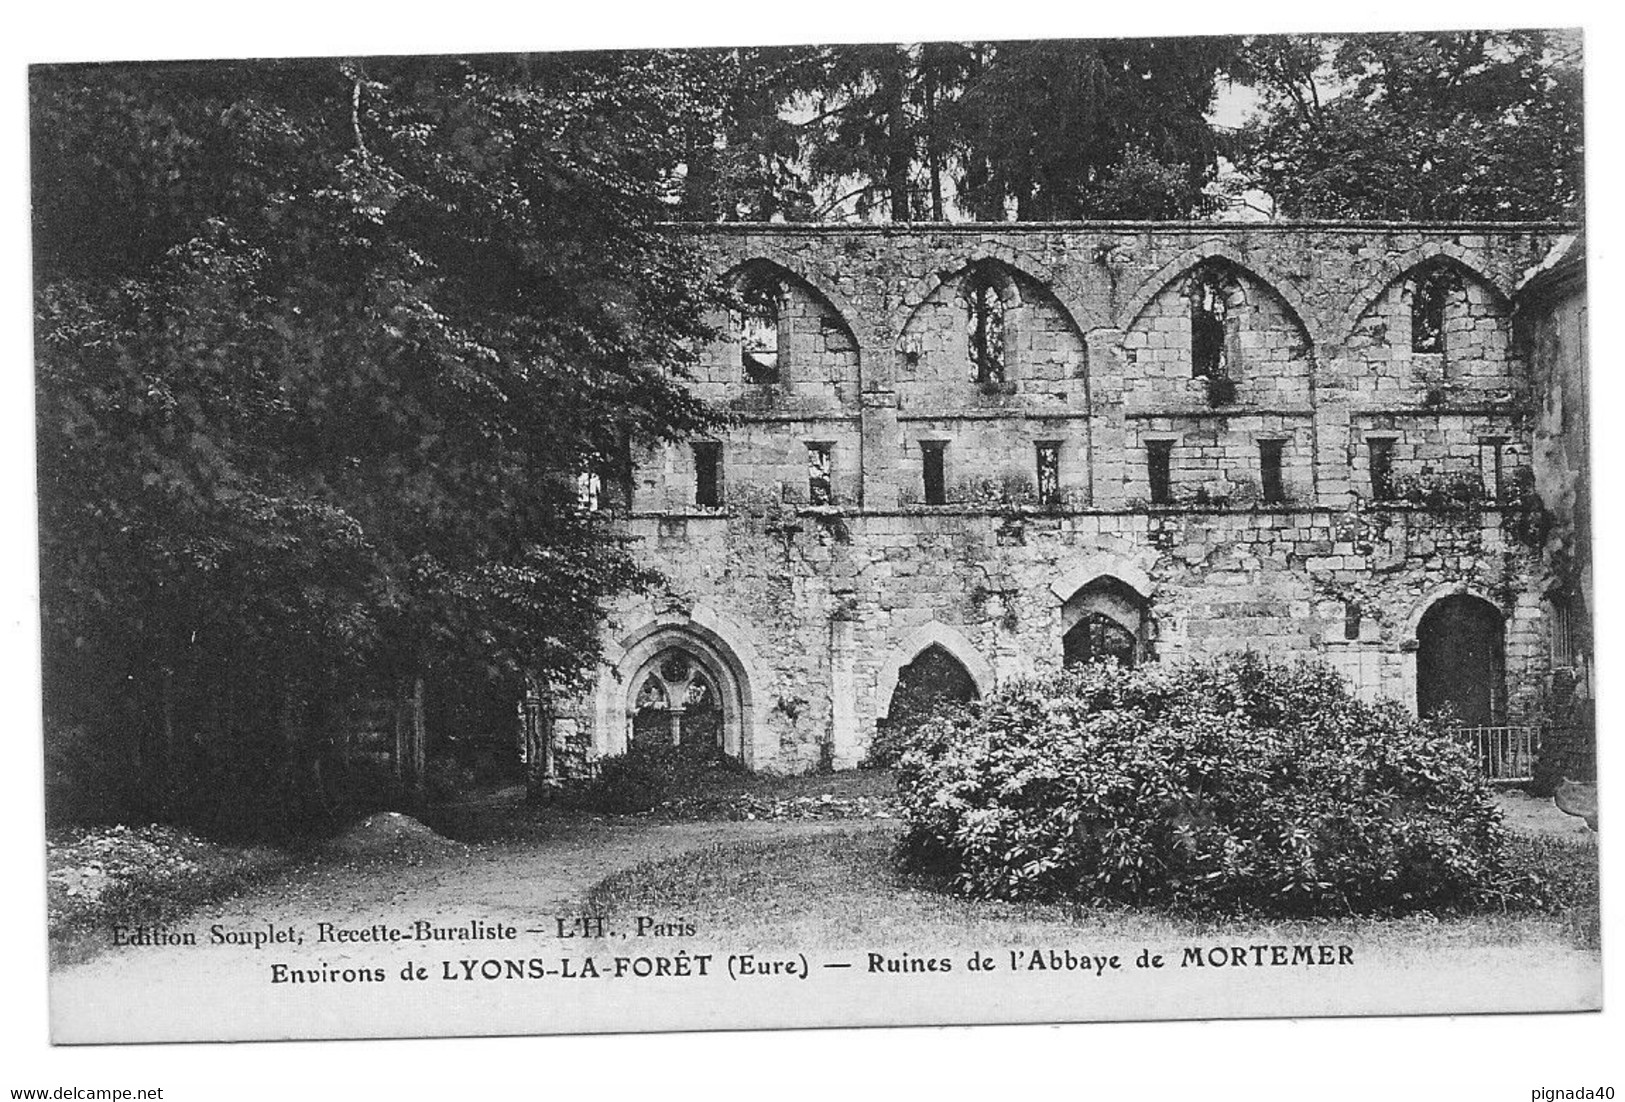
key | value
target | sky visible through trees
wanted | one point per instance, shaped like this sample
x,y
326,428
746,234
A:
x,y
1449,125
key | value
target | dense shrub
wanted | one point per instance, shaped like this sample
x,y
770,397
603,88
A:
x,y
645,777
1228,785
890,740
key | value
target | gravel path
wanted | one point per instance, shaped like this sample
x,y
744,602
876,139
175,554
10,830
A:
x,y
207,991
1537,815
167,991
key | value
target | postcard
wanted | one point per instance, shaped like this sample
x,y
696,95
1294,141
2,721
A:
x,y
800,536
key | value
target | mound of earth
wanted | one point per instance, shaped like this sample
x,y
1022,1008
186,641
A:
x,y
390,834
95,873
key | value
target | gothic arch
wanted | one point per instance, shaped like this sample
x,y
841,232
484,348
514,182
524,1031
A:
x,y
1148,289
1397,268
1104,592
950,639
986,252
792,270
1095,567
720,648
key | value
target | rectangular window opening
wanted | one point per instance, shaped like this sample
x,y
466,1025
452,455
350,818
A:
x,y
1049,472
985,332
1428,297
1562,632
1492,466
1209,327
757,327
589,491
1382,467
708,474
1159,463
819,458
1269,465
931,459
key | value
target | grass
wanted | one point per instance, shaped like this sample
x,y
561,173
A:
x,y
845,889
848,784
100,877
711,795
1568,873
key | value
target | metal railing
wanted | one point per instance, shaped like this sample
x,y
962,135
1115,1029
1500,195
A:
x,y
1506,755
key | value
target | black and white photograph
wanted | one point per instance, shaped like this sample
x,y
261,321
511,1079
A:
x,y
937,531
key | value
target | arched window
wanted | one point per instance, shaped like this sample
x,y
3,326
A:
x,y
1105,620
1431,286
1097,637
677,704
756,326
984,328
1210,292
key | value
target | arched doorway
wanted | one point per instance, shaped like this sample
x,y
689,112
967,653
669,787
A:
x,y
1461,661
934,677
1104,620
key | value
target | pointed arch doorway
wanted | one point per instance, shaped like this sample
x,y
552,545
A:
x,y
933,678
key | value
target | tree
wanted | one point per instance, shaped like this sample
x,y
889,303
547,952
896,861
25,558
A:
x,y
1040,130
1083,129
743,156
1452,125
322,347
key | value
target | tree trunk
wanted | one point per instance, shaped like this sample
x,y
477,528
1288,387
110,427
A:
x,y
536,743
166,706
410,736
899,139
933,146
291,786
402,717
419,737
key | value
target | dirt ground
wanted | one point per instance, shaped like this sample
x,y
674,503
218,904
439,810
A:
x,y
1537,815
532,875
525,879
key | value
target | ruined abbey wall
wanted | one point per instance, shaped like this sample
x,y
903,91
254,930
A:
x,y
805,601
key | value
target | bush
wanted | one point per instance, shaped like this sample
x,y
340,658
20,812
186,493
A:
x,y
645,777
1240,784
888,744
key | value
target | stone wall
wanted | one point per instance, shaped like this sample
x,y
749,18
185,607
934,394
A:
x,y
1552,332
806,616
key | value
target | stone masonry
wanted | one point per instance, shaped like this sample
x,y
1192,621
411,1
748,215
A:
x,y
1399,471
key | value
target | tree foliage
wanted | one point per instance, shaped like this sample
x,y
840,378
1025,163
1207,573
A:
x,y
321,346
1452,125
743,156
1449,125
1030,130
1107,129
